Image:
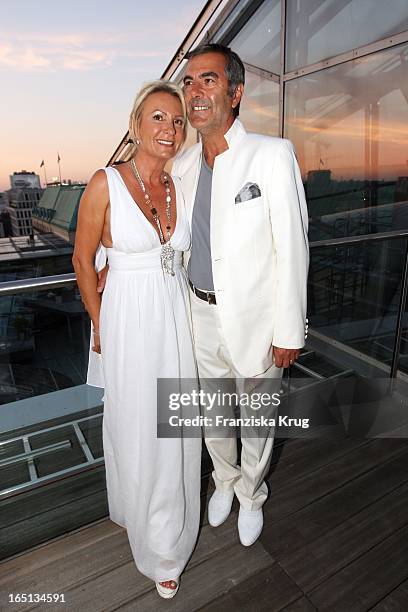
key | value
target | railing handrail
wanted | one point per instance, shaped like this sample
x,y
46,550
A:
x,y
41,283
392,235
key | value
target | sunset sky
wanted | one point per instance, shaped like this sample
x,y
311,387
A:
x,y
69,72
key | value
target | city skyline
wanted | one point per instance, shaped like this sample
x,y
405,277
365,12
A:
x,y
70,74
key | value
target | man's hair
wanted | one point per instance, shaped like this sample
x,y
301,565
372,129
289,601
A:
x,y
234,68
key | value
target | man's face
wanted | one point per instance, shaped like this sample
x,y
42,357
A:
x,y
205,85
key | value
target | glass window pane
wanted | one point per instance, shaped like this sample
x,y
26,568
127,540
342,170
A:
x,y
258,43
323,28
354,293
259,110
349,127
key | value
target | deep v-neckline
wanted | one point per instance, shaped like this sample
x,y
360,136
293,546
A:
x,y
140,211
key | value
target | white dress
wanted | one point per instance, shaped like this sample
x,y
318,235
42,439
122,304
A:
x,y
153,483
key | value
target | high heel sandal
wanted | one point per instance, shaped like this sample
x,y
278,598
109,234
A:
x,y
166,592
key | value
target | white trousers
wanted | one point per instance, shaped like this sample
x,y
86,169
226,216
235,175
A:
x,y
214,362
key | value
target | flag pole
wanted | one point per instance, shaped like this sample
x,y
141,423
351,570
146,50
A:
x,y
42,165
59,168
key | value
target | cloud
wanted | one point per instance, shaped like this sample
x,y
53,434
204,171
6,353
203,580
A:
x,y
74,52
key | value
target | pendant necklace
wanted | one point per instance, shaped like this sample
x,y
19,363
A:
x,y
167,251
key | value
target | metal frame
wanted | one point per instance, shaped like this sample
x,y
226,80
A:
x,y
220,20
265,74
379,45
282,69
29,455
241,19
358,239
42,283
401,307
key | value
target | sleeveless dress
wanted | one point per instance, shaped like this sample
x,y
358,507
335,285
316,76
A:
x,y
153,484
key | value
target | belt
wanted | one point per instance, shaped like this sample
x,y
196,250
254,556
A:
x,y
207,296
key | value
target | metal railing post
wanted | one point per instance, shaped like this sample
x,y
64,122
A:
x,y
401,309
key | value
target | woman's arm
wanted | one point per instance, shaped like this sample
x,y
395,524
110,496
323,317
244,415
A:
x,y
91,219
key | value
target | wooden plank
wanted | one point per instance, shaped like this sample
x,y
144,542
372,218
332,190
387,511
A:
x,y
48,525
300,605
310,486
41,514
348,462
300,457
79,552
362,584
95,553
268,591
316,561
292,532
395,601
27,505
206,581
294,460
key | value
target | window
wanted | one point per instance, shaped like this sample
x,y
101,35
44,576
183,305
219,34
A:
x,y
349,126
323,28
259,110
258,42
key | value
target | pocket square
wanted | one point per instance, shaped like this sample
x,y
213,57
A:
x,y
248,192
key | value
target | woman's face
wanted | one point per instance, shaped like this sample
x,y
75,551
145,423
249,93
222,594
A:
x,y
161,125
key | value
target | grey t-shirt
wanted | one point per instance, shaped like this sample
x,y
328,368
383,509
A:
x,y
199,265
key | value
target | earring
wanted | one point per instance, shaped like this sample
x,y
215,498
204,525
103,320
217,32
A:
x,y
137,141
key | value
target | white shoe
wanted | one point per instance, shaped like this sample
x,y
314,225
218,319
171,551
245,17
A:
x,y
219,507
250,524
166,592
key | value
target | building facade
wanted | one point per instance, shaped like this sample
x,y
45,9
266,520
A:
x,y
21,203
24,179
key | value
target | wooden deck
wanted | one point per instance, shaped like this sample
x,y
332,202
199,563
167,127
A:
x,y
335,539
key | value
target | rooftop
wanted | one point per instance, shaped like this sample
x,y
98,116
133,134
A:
x,y
335,538
43,245
59,206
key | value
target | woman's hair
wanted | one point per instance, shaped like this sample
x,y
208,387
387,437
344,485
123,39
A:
x,y
148,89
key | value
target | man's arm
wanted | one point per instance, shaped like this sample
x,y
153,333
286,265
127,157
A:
x,y
289,220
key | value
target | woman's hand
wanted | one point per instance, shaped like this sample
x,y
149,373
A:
x,y
96,341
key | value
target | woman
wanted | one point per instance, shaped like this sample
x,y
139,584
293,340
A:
x,y
141,332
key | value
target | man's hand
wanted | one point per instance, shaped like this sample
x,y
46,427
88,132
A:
x,y
283,358
102,279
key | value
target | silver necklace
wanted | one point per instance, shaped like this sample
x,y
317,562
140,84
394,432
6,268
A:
x,y
167,251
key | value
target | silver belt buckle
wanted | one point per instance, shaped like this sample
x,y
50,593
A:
x,y
210,298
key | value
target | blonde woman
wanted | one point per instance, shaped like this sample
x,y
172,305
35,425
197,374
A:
x,y
141,332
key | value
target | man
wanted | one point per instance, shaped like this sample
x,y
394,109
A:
x,y
247,267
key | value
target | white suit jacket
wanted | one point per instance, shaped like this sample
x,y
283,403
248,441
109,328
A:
x,y
259,244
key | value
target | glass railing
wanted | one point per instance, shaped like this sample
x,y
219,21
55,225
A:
x,y
357,297
34,257
50,420
44,337
51,455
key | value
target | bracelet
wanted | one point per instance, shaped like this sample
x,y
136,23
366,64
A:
x,y
95,332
